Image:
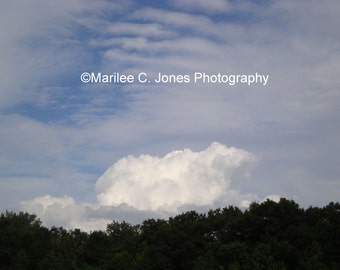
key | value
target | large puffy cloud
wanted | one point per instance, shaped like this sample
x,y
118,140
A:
x,y
179,178
137,188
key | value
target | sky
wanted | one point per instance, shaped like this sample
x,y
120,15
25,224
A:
x,y
81,154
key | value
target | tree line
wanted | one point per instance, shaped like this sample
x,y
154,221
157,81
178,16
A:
x,y
268,235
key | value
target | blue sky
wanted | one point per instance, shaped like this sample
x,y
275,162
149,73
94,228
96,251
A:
x,y
59,136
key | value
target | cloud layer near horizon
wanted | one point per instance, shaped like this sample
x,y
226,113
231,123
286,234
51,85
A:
x,y
137,188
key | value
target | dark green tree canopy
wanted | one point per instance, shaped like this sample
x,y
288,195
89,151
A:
x,y
268,235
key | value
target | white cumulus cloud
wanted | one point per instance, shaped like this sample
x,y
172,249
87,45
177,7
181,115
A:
x,y
136,188
179,178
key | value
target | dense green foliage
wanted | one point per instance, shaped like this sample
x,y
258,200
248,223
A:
x,y
269,235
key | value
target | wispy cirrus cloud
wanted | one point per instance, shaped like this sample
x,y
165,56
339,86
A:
x,y
218,6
